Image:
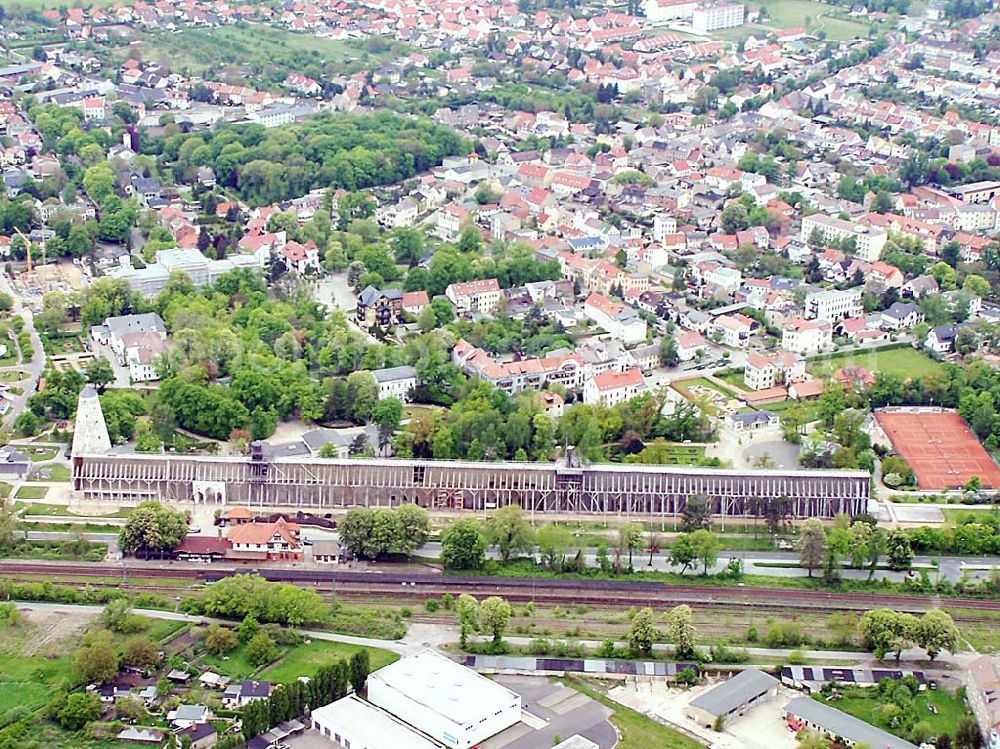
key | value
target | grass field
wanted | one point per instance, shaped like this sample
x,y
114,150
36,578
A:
x,y
305,660
38,454
199,49
733,378
955,516
637,731
13,375
32,492
51,472
904,362
864,704
788,14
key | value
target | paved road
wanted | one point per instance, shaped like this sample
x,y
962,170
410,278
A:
x,y
37,365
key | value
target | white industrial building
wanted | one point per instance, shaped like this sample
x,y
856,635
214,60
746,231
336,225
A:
x,y
425,700
355,723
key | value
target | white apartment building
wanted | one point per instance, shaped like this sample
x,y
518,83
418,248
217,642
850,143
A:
x,y
622,322
709,18
611,388
734,330
834,305
806,337
396,382
869,240
475,296
658,11
763,371
663,225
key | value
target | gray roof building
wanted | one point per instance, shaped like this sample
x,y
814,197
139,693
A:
x,y
829,720
732,696
392,374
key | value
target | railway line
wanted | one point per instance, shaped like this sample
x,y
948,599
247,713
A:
x,y
562,591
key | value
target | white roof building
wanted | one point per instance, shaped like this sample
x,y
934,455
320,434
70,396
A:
x,y
443,699
353,722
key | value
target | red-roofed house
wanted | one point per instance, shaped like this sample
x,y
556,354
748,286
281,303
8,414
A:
x,y
270,541
475,296
415,301
611,388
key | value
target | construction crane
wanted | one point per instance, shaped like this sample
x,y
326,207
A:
x,y
27,247
27,252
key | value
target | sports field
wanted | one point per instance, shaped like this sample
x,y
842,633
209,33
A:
x,y
939,447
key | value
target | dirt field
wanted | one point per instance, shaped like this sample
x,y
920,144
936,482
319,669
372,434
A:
x,y
47,633
761,728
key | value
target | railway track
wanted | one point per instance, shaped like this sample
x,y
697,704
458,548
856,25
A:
x,y
562,591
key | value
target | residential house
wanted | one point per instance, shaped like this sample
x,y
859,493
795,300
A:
x,y
239,695
900,316
611,388
189,715
200,735
135,341
982,690
802,336
396,382
382,307
834,304
765,371
475,297
266,541
734,330
414,302
752,421
620,320
689,344
941,340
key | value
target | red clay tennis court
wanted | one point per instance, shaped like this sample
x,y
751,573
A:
x,y
940,448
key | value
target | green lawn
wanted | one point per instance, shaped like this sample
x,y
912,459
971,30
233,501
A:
x,y
955,515
682,455
51,472
864,704
32,492
788,14
904,362
637,731
29,681
13,375
733,378
38,454
306,659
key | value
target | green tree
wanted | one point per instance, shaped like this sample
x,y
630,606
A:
x,y
811,544
152,527
80,709
706,548
467,611
362,395
509,532
936,631
415,527
220,640
141,652
734,218
100,373
261,649
95,660
463,545
642,632
967,735
360,668
495,614
682,552
898,550
553,541
681,631
668,351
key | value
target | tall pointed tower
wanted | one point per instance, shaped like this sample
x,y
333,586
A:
x,y
90,437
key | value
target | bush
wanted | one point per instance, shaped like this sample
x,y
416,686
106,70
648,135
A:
x,y
539,646
431,604
261,649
